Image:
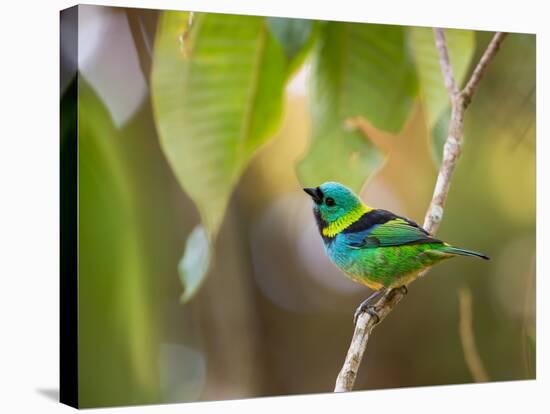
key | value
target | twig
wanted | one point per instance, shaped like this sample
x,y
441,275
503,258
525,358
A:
x,y
451,152
445,62
363,329
473,360
481,67
453,144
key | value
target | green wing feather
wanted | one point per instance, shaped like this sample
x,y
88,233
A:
x,y
396,232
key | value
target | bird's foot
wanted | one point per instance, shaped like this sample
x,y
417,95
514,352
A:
x,y
401,289
371,310
364,307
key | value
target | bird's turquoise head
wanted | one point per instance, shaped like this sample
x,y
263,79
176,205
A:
x,y
334,203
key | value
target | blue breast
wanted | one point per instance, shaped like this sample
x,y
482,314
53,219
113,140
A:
x,y
339,251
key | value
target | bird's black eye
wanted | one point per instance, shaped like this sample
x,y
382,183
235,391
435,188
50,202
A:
x,y
330,202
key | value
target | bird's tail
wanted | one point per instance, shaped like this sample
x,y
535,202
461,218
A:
x,y
464,252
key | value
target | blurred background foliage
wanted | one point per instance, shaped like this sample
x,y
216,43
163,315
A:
x,y
196,134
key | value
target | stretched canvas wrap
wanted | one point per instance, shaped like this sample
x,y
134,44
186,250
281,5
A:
x,y
195,268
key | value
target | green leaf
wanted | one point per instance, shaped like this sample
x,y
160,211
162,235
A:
x,y
217,91
461,46
195,262
216,107
118,341
359,70
367,71
294,35
337,155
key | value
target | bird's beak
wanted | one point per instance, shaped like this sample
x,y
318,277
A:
x,y
315,193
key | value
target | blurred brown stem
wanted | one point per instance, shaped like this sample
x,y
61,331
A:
x,y
471,356
460,101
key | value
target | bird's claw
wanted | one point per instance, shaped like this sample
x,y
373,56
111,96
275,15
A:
x,y
371,310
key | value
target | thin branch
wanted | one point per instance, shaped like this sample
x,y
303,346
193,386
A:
x,y
481,67
451,152
363,329
445,63
473,360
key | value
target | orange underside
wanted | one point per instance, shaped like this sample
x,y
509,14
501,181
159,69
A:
x,y
403,280
370,284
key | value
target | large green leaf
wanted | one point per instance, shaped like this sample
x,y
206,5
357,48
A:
x,y
217,106
461,46
367,71
217,90
117,331
359,70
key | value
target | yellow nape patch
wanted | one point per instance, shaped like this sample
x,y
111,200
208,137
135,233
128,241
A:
x,y
345,221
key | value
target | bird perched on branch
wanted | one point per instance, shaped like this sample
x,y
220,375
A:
x,y
375,247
